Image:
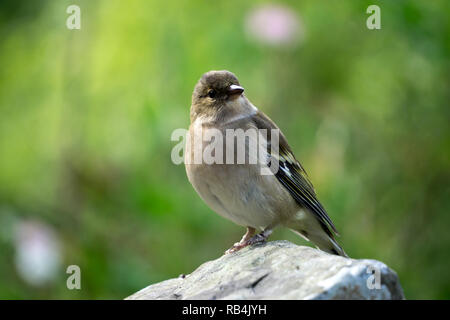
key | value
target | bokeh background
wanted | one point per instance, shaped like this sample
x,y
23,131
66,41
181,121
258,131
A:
x,y
86,117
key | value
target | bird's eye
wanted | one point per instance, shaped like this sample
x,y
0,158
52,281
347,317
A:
x,y
212,93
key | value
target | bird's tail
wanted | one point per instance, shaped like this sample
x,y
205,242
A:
x,y
319,234
324,242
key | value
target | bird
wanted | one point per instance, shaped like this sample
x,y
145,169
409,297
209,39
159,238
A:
x,y
239,191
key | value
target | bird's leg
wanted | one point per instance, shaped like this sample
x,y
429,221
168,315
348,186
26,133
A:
x,y
244,241
260,237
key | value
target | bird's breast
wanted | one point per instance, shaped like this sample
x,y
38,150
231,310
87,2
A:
x,y
238,192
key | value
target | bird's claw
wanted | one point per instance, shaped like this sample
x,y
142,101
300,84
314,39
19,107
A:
x,y
236,247
256,239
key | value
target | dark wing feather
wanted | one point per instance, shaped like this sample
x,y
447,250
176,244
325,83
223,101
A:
x,y
291,174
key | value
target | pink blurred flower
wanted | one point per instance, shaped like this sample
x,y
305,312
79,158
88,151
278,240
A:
x,y
37,252
274,25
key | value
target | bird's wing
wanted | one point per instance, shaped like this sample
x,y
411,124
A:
x,y
291,173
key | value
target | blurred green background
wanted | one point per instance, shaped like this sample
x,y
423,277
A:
x,y
86,176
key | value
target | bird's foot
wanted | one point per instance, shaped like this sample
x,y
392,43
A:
x,y
248,240
236,247
257,238
244,241
260,237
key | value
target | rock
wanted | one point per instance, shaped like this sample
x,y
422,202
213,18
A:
x,y
281,270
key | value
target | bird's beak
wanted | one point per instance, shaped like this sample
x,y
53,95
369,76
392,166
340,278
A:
x,y
235,89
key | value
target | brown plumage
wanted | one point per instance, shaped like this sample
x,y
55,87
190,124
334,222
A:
x,y
239,192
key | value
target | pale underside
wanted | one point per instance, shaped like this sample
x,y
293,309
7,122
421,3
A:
x,y
252,199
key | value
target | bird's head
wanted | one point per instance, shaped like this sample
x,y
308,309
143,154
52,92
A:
x,y
214,91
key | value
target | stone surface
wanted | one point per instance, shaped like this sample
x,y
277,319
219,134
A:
x,y
281,270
